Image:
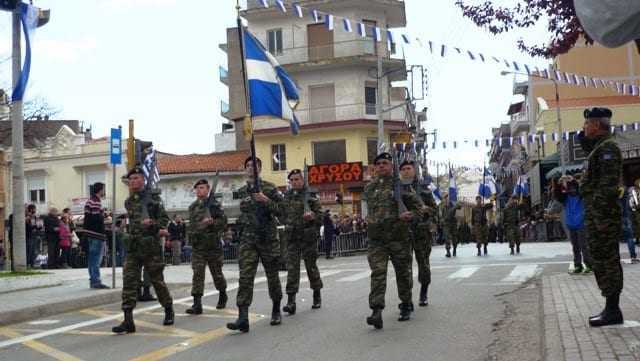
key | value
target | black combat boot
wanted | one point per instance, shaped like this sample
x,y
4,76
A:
x,y
145,295
127,326
454,250
196,309
317,300
242,323
276,317
612,315
479,253
169,316
512,252
485,249
375,319
222,300
405,312
517,248
290,307
448,255
423,295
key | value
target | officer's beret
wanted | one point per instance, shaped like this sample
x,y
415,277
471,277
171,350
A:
x,y
258,161
135,170
407,162
597,113
201,181
294,172
383,155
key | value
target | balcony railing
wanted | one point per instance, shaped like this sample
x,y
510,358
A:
x,y
343,49
224,75
519,122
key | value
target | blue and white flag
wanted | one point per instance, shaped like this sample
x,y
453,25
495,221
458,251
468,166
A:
x,y
298,10
281,6
433,188
377,35
488,185
29,20
362,30
347,25
522,187
264,3
315,15
272,92
453,188
328,22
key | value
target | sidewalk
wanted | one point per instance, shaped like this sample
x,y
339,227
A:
x,y
570,300
67,290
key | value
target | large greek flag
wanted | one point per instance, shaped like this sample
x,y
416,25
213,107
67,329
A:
x,y
433,188
488,185
272,92
453,188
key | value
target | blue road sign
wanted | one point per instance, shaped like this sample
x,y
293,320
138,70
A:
x,y
116,146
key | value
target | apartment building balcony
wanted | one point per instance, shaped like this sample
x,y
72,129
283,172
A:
x,y
224,75
519,123
224,109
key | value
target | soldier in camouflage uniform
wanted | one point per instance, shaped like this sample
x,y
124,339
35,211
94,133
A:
x,y
420,227
449,225
206,223
510,222
147,223
479,224
389,239
301,233
601,189
258,242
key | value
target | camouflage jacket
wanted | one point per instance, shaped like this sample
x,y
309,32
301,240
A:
x,y
382,206
258,221
143,239
602,179
448,212
205,237
511,215
293,210
479,214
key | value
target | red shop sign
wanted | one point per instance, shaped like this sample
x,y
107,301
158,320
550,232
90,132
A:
x,y
335,173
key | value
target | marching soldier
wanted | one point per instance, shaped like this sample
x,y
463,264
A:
x,y
600,190
388,232
479,224
206,223
258,242
147,223
510,220
420,228
301,232
450,225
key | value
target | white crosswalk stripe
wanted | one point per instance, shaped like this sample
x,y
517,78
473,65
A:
x,y
522,273
464,272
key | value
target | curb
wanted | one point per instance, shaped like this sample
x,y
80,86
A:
x,y
24,283
99,299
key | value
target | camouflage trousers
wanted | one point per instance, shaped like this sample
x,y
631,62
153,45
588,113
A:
x,y
399,252
605,254
154,265
450,237
422,251
250,255
513,235
199,262
299,246
481,234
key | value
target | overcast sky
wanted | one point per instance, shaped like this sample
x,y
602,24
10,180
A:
x,y
156,61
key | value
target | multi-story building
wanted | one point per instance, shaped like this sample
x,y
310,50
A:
x,y
335,73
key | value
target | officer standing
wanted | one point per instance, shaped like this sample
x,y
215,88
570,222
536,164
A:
x,y
420,227
206,223
258,242
388,232
511,219
449,224
601,190
148,222
479,224
301,232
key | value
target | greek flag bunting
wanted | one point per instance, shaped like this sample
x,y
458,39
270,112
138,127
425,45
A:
x,y
272,92
298,10
453,188
281,6
488,186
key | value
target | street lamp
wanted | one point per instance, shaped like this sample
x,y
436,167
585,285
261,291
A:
x,y
555,83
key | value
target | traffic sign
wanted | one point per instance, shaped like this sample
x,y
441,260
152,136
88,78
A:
x,y
116,146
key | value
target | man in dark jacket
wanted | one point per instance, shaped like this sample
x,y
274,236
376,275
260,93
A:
x,y
51,228
95,233
329,234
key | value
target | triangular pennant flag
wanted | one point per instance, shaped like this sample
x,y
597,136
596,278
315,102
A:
x,y
481,57
315,15
390,37
362,30
526,68
406,39
264,3
506,62
543,138
443,50
458,50
328,22
298,10
347,25
431,46
281,6
471,55
515,66
636,126
376,34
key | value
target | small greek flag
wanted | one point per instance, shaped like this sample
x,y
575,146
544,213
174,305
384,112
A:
x,y
443,50
526,68
264,3
635,126
328,21
298,10
315,16
390,37
471,55
362,30
347,25
406,39
377,35
281,6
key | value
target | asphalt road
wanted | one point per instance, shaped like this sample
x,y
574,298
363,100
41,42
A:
x,y
459,323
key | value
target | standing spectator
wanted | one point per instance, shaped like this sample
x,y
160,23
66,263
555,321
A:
x,y
329,234
176,235
64,232
51,231
30,234
95,233
627,225
568,194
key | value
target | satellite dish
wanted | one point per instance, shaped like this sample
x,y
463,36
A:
x,y
542,104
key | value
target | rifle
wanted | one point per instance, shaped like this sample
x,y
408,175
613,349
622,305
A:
x,y
307,206
210,203
397,185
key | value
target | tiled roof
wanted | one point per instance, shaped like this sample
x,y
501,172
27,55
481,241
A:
x,y
201,163
36,131
594,102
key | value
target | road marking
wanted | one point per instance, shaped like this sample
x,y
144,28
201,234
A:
x,y
509,264
522,273
40,347
464,272
44,322
163,329
108,333
356,277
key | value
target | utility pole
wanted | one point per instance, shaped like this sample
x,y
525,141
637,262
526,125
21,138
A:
x,y
379,103
19,248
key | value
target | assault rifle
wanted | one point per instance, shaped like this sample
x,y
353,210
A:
x,y
397,184
307,206
210,203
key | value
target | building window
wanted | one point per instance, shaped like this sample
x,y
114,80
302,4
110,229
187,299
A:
x,y
370,99
330,152
372,150
274,41
576,148
92,177
278,157
36,192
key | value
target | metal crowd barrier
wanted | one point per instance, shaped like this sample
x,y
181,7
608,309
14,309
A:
x,y
345,244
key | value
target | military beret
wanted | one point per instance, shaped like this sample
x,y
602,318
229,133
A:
x,y
407,162
201,181
383,155
135,170
258,161
294,172
597,113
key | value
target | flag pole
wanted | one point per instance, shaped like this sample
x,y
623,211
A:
x,y
248,121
